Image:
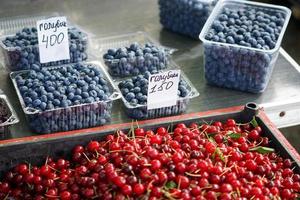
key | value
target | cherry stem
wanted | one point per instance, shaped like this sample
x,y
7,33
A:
x,y
227,170
193,175
86,156
5,198
168,195
53,168
46,162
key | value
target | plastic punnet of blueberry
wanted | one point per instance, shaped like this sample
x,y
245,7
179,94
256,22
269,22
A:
x,y
70,97
136,59
240,46
135,91
186,17
22,49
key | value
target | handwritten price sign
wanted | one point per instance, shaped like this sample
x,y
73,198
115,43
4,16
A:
x,y
53,39
162,89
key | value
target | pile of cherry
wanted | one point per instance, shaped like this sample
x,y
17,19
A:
x,y
217,161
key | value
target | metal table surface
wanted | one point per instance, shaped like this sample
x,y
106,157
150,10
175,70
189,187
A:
x,y
281,99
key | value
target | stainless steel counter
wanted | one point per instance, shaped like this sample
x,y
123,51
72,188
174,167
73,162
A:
x,y
281,99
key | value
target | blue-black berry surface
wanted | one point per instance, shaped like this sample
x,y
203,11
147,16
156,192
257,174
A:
x,y
186,17
65,98
136,59
22,51
135,91
241,46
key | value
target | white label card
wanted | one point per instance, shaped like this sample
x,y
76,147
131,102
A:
x,y
53,39
162,89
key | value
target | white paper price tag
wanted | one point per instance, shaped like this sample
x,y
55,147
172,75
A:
x,y
53,39
162,89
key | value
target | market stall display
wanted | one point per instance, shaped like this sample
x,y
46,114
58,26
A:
x,y
186,17
241,44
66,97
21,50
231,153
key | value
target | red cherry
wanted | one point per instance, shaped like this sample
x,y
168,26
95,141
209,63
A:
x,y
119,181
181,125
78,149
210,147
155,165
23,169
218,138
93,146
180,167
61,163
65,195
51,194
156,139
102,159
251,165
145,173
126,190
253,135
45,170
89,192
156,192
139,132
139,189
182,181
162,131
177,157
226,188
230,122
81,170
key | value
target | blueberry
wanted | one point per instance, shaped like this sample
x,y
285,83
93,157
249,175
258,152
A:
x,y
129,96
27,100
43,106
64,103
43,98
85,94
36,103
230,40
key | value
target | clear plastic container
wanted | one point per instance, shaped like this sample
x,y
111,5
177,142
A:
x,y
21,58
239,67
72,117
11,116
140,111
134,66
186,17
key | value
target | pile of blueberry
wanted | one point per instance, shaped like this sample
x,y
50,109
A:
x,y
54,93
135,91
185,16
136,59
239,67
23,49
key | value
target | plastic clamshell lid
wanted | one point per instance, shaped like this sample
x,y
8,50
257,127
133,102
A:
x,y
13,119
237,4
114,91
